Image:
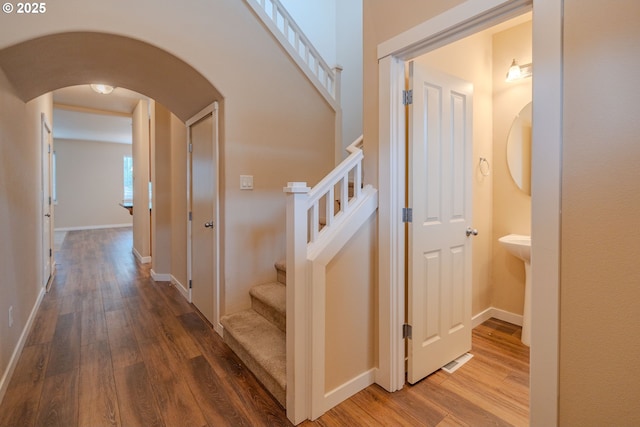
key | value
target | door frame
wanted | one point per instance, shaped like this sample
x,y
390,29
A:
x,y
46,181
212,109
452,25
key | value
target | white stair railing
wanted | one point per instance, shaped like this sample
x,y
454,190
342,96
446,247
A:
x,y
325,78
318,219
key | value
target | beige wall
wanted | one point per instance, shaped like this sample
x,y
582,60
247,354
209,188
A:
x,y
162,197
383,20
178,200
350,331
90,184
600,276
511,206
20,213
141,178
470,60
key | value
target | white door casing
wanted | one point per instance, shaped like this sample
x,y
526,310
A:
x,y
440,195
450,26
48,264
203,200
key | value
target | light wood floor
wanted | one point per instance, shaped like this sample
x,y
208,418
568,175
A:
x,y
110,347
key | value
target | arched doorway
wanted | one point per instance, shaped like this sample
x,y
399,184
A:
x,y
45,64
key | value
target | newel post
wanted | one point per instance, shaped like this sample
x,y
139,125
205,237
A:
x,y
298,324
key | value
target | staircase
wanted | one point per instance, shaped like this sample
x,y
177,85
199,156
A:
x,y
257,335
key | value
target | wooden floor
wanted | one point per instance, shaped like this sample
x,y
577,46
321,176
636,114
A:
x,y
109,347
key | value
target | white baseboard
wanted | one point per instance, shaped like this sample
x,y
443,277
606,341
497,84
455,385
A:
x,y
93,227
160,277
140,258
348,389
17,351
499,314
186,293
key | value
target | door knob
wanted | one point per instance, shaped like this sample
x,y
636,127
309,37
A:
x,y
208,224
471,231
47,215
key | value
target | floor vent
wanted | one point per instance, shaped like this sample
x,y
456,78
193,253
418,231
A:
x,y
453,366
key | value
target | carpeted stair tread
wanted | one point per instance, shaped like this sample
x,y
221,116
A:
x,y
270,301
261,346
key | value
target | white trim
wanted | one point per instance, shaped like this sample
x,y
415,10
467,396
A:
x,y
160,277
348,389
391,371
458,22
185,292
140,258
17,351
497,313
546,185
93,227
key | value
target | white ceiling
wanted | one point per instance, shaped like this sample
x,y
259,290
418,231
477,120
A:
x,y
82,114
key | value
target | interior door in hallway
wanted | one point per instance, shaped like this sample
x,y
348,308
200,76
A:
x,y
203,144
440,195
47,205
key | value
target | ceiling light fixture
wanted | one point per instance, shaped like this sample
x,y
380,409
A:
x,y
102,89
518,72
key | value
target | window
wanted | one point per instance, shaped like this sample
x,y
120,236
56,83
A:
x,y
127,168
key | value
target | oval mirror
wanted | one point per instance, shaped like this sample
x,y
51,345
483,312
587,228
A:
x,y
519,149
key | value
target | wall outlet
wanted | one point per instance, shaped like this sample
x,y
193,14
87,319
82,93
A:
x,y
11,316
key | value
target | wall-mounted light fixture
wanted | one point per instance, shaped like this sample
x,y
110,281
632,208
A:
x,y
102,89
517,72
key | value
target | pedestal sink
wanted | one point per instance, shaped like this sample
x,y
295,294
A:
x,y
520,246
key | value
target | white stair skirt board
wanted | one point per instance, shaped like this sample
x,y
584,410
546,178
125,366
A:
x,y
454,365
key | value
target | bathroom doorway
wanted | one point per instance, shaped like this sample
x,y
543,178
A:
x,y
483,60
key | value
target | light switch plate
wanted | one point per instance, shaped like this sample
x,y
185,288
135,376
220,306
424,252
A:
x,y
246,182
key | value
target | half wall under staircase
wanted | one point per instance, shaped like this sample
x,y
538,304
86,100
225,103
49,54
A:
x,y
281,338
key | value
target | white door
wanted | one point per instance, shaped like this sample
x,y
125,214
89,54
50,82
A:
x,y
202,137
47,207
440,170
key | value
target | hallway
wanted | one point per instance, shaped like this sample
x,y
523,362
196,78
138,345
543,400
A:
x,y
109,347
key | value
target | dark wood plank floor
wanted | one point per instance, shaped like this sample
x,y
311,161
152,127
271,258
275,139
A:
x,y
110,347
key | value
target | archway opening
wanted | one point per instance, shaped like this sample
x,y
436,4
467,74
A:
x,y
41,65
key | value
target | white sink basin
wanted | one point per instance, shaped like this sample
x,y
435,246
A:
x,y
520,246
517,245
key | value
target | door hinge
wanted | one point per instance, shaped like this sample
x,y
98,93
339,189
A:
x,y
190,147
49,200
407,97
407,215
406,331
190,216
50,252
190,284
